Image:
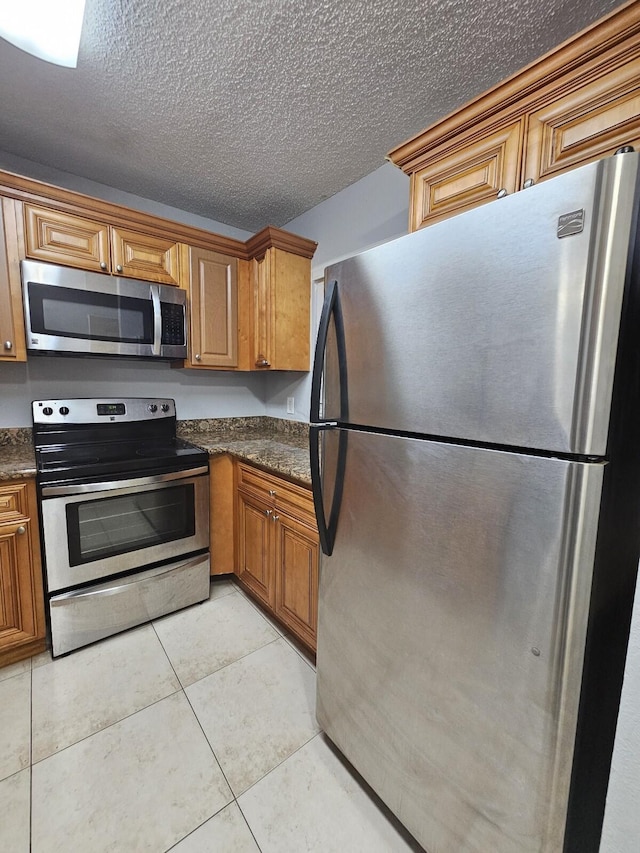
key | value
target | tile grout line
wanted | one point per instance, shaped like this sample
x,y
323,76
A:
x,y
284,760
108,726
30,754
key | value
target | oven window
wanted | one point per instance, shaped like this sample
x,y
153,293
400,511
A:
x,y
104,527
72,313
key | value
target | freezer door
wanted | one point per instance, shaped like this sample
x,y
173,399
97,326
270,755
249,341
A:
x,y
499,325
452,620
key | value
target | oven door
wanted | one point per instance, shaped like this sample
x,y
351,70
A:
x,y
96,530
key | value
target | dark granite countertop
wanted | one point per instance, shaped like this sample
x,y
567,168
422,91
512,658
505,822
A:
x,y
280,446
17,457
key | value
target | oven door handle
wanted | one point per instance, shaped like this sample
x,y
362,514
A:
x,y
84,488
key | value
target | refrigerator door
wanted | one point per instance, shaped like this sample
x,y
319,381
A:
x,y
452,622
499,325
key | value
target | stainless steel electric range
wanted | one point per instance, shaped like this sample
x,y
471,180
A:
x,y
124,509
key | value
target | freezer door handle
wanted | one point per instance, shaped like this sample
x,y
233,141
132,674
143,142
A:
x,y
330,309
327,529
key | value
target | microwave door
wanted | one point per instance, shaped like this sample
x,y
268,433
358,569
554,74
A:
x,y
72,311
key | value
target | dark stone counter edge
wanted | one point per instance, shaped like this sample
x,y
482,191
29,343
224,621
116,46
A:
x,y
261,441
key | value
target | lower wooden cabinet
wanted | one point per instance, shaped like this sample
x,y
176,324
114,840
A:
x,y
278,549
22,622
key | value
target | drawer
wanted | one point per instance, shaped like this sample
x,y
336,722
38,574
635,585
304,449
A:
x,y
13,502
281,494
92,613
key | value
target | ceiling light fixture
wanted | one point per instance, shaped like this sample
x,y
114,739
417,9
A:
x,y
48,29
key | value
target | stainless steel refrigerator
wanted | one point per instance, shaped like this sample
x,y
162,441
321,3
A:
x,y
475,450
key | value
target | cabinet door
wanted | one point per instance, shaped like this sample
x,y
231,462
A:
x,y
472,174
63,238
12,345
588,123
255,559
145,256
213,290
22,624
281,311
296,571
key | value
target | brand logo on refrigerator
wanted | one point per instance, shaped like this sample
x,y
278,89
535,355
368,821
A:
x,y
571,223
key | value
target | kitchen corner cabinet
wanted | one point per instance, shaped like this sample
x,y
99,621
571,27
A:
x,y
22,622
574,105
65,238
278,548
12,342
281,283
213,292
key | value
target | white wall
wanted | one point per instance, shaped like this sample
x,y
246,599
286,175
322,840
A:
x,y
372,211
40,172
198,394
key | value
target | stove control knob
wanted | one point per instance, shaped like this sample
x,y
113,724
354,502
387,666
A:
x,y
152,407
165,407
47,410
64,410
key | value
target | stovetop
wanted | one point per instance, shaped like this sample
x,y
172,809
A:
x,y
92,440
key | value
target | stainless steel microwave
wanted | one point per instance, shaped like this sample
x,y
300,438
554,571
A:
x,y
72,311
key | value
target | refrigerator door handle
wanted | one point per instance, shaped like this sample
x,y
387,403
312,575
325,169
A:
x,y
327,529
331,308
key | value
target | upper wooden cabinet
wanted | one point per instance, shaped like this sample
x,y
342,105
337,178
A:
x,y
12,343
213,291
576,104
467,176
64,238
281,285
144,256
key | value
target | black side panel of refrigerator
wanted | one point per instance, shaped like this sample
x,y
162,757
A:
x,y
614,579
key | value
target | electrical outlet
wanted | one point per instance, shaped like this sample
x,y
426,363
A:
x,y
290,405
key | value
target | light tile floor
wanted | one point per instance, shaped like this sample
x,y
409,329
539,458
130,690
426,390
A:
x,y
194,733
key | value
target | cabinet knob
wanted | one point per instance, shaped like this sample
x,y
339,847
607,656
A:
x,y
528,183
103,265
22,529
263,362
502,193
272,492
625,149
197,356
276,518
119,268
8,345
267,512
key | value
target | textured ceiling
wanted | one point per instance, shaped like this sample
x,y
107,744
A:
x,y
251,113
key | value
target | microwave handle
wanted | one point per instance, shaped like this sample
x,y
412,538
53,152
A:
x,y
157,319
